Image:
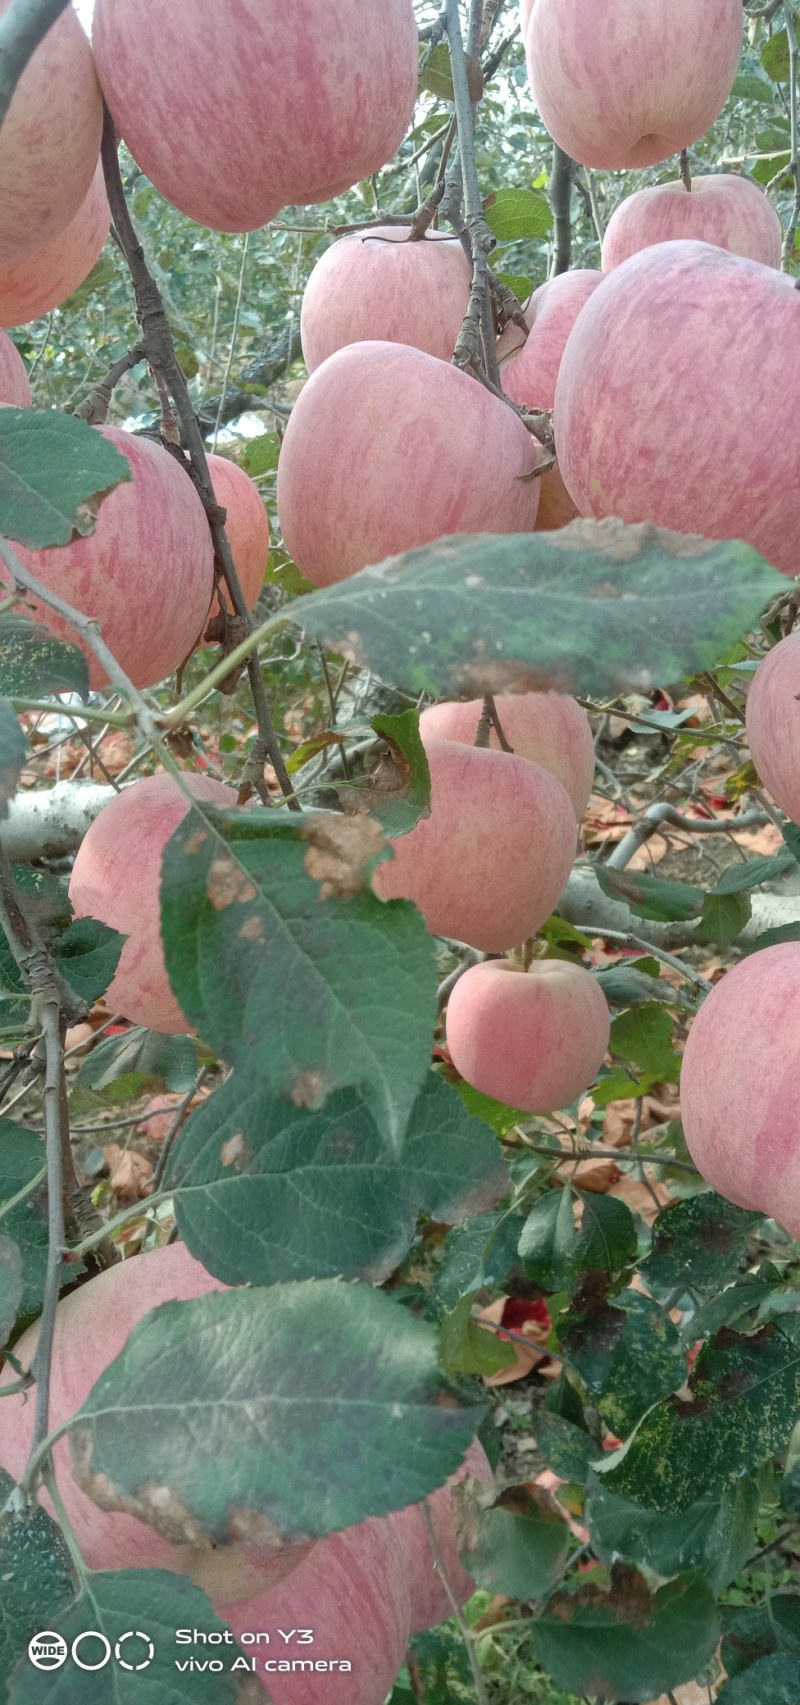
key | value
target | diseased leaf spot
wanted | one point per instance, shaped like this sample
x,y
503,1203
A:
x,y
228,885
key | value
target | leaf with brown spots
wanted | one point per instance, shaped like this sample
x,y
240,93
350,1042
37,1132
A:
x,y
598,607
626,1643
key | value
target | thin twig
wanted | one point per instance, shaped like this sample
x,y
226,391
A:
x,y
158,342
794,163
626,939
176,1127
463,1625
592,1152
481,237
237,314
56,1146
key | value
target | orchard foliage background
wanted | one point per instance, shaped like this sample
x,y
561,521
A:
x,y
548,1284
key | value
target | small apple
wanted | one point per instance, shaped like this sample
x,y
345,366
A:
x,y
533,1039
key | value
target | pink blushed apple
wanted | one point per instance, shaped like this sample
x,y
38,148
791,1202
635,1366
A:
x,y
729,211
533,1039
381,285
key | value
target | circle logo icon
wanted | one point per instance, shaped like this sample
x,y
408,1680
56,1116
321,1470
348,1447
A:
x,y
47,1650
127,1662
91,1634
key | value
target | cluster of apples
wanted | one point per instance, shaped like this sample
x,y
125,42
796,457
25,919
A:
x,y
365,1591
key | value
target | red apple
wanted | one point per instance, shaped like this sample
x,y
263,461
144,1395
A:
x,y
529,375
246,525
533,1039
207,95
731,212
738,1085
625,85
492,859
117,878
46,277
363,1591
548,728
413,449
145,574
50,140
15,390
381,285
773,723
656,362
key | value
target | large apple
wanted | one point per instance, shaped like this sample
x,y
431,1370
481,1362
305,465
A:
x,y
234,112
146,573
625,85
655,362
773,723
729,211
50,139
382,285
549,728
117,878
15,387
529,375
246,525
533,1039
413,449
46,277
492,859
738,1085
364,1591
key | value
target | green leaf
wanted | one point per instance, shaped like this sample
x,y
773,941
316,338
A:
x,y
443,1666
715,1536
775,57
260,455
88,956
141,1062
643,1035
770,1681
399,790
50,465
627,1644
36,1573
770,938
548,1239
11,1283
525,611
322,1371
729,1308
566,1449
745,1396
313,985
768,167
495,1113
266,1191
752,1631
739,878
699,1242
521,1545
33,663
516,214
479,1253
519,283
632,981
723,917
13,753
748,87
628,1356
649,896
437,78
467,1348
21,1158
606,1241
140,1608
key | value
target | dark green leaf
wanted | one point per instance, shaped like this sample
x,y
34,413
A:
x,y
627,1644
313,985
147,1606
475,1254
730,1307
36,1576
89,955
752,1631
775,57
521,1545
739,878
749,87
643,1035
566,1449
267,1191
651,897
715,1537
770,1681
33,663
323,1371
11,1283
547,1239
525,611
514,215
745,1397
13,753
399,790
443,1665
770,938
467,1348
606,1240
21,1159
699,1242
50,465
633,981
723,917
627,1355
141,1062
